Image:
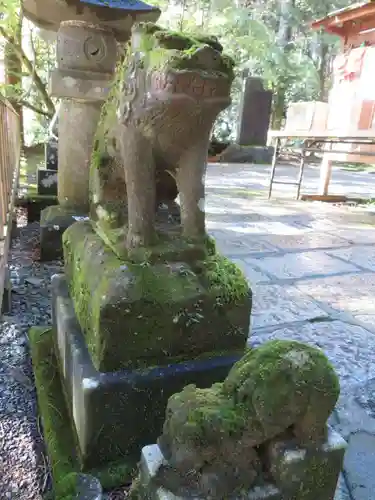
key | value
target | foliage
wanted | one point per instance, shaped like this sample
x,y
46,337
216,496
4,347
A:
x,y
32,58
269,39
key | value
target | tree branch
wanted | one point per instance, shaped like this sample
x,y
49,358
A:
x,y
27,104
30,68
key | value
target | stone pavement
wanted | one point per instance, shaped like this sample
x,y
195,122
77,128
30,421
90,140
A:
x,y
311,267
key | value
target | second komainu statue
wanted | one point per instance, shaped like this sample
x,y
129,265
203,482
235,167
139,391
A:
x,y
153,137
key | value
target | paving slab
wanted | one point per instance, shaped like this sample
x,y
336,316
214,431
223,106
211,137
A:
x,y
349,347
359,464
351,293
252,275
357,235
303,265
230,244
363,256
277,305
305,241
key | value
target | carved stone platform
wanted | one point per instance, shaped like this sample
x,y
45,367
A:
x,y
295,473
116,413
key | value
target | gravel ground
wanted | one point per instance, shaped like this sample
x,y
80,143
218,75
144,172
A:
x,y
24,470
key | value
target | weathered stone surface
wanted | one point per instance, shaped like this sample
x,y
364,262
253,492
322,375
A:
x,y
213,438
348,347
115,414
254,113
140,314
47,182
234,244
152,139
304,265
54,220
307,473
276,304
51,154
252,275
247,154
349,293
362,256
88,488
305,241
152,459
360,465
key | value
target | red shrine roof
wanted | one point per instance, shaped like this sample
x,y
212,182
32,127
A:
x,y
350,19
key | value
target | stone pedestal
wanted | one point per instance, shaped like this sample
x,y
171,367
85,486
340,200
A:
x,y
115,413
254,113
296,473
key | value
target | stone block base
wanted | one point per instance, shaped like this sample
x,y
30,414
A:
x,y
295,472
47,181
34,204
247,154
152,459
54,220
116,413
307,473
141,314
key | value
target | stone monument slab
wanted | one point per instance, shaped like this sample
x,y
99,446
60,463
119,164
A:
x,y
47,182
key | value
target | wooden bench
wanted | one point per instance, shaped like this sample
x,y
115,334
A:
x,y
310,142
9,173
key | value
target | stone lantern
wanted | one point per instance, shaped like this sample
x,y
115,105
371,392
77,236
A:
x,y
87,51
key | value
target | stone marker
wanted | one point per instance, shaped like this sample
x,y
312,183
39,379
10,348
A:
x,y
261,434
147,305
254,113
51,154
47,182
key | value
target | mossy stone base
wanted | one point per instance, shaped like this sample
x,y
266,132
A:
x,y
34,204
135,315
115,414
60,438
54,220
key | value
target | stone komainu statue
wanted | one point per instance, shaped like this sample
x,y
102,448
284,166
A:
x,y
212,438
153,135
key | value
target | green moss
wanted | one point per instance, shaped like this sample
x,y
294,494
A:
x,y
223,277
165,306
271,388
58,434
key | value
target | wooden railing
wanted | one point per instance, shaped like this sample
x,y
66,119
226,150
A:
x,y
9,172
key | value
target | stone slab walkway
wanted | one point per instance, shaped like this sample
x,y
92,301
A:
x,y
312,270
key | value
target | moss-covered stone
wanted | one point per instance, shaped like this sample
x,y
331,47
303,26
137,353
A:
x,y
273,387
213,435
59,436
140,314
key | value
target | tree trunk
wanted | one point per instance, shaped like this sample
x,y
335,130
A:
x,y
13,72
284,37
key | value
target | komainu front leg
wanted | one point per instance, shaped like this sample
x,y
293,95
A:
x,y
190,180
136,152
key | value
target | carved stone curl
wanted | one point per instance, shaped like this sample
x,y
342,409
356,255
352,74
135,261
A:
x,y
156,144
215,440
